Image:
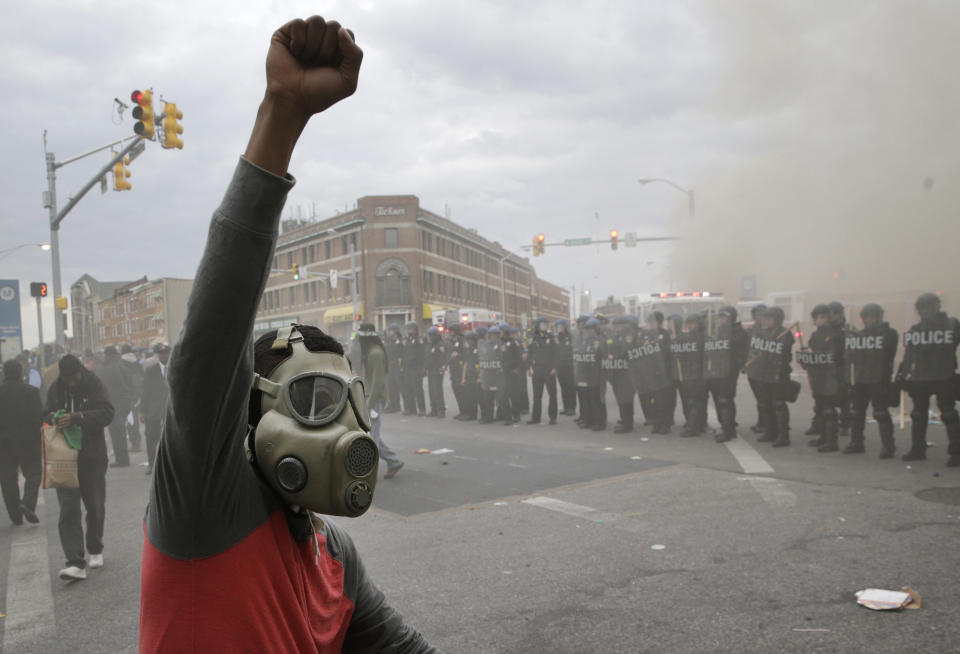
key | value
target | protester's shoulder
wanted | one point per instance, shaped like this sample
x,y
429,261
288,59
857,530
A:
x,y
339,543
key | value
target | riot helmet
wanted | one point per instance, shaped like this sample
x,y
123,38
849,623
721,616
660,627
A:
x,y
928,304
820,310
774,314
481,331
728,311
872,310
756,311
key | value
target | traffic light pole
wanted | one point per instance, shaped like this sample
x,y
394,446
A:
x,y
56,217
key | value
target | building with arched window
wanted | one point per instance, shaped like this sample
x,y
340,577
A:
x,y
408,263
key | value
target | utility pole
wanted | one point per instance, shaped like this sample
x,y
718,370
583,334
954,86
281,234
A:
x,y
40,349
134,148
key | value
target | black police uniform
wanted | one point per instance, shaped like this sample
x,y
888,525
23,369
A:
x,y
393,345
435,366
768,369
511,361
586,371
868,367
564,366
617,369
455,348
491,376
648,358
542,355
928,368
724,353
821,360
687,349
412,376
470,379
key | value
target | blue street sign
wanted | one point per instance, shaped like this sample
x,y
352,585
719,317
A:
x,y
11,329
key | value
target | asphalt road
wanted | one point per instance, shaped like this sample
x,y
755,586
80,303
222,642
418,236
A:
x,y
554,539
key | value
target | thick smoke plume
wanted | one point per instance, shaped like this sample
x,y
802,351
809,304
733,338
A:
x,y
844,180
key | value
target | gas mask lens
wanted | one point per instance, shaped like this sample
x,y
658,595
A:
x,y
317,398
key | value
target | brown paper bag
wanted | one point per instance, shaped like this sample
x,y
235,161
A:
x,y
59,460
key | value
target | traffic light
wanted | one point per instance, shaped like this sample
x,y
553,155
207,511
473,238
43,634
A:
x,y
143,112
539,247
120,175
171,128
38,289
357,317
614,236
296,271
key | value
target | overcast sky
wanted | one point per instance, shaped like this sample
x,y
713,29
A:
x,y
522,117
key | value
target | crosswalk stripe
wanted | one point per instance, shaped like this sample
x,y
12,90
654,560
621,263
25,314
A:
x,y
30,613
748,458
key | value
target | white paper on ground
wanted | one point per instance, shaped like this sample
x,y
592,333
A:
x,y
882,600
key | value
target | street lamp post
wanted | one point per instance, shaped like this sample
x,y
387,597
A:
x,y
8,251
689,193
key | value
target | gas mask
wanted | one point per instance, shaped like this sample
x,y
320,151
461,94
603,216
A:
x,y
312,443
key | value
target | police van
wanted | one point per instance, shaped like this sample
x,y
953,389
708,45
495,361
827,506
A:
x,y
468,318
681,303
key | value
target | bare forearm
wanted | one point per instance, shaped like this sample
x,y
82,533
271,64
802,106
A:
x,y
274,136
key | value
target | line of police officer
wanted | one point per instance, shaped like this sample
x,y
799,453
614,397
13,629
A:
x,y
696,357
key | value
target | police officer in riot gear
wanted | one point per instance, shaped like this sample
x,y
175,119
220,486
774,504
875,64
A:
x,y
511,361
756,315
617,369
470,377
455,346
564,363
414,362
928,368
653,378
838,319
868,366
586,370
491,373
768,368
821,361
436,365
687,348
584,419
393,344
542,353
724,353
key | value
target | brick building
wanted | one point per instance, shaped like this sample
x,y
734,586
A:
x,y
409,263
143,312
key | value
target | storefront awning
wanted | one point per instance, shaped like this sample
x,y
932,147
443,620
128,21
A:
x,y
341,313
428,309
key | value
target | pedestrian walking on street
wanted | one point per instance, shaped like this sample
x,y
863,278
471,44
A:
x,y
20,416
83,399
373,368
117,380
153,401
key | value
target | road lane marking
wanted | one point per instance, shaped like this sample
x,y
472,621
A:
x,y
749,459
30,614
585,512
773,492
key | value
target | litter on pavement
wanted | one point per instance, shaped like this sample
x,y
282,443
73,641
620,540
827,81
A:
x,y
422,451
442,450
879,599
658,547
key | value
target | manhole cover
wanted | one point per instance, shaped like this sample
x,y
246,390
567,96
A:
x,y
942,494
